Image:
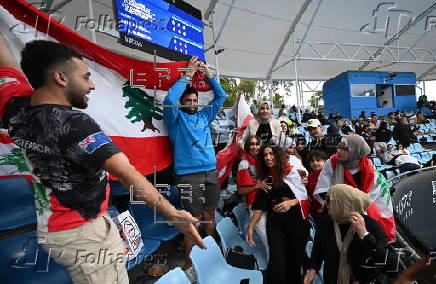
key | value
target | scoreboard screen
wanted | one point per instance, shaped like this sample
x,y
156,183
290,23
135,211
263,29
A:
x,y
171,28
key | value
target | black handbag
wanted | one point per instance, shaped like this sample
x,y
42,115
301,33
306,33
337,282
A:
x,y
236,258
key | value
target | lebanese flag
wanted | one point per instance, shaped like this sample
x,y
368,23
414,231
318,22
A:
x,y
373,183
293,180
12,162
126,101
227,157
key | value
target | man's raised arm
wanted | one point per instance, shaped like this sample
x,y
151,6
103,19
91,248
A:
x,y
7,59
119,166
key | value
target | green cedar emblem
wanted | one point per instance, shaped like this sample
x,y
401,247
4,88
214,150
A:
x,y
41,200
141,107
384,187
15,158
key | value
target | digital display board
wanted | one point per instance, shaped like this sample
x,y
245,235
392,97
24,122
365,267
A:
x,y
172,28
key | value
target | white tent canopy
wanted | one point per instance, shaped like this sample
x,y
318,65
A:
x,y
259,38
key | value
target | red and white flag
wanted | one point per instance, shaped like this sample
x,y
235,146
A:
x,y
227,157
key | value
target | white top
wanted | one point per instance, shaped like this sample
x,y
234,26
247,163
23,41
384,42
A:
x,y
403,159
296,163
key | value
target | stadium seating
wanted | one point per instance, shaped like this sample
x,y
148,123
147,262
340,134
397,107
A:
x,y
174,276
17,203
23,261
242,216
230,238
212,268
150,229
417,156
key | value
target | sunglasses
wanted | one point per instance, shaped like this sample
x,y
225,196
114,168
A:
x,y
254,144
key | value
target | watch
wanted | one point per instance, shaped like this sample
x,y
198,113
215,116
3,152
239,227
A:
x,y
364,235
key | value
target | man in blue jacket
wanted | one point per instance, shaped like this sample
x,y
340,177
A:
x,y
194,156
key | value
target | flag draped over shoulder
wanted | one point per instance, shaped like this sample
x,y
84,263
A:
x,y
373,183
129,93
227,157
12,162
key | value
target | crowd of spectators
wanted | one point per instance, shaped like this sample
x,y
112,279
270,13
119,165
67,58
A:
x,y
282,145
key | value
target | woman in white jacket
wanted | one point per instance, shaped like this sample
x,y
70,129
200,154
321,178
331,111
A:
x,y
265,126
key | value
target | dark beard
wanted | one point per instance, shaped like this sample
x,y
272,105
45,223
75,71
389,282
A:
x,y
77,102
189,110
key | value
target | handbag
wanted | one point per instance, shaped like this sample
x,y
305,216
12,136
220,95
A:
x,y
236,258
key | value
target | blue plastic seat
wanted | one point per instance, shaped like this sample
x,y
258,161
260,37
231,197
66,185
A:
x,y
390,174
418,147
17,203
23,261
230,238
174,276
426,156
417,156
144,217
150,246
211,267
117,188
242,216
376,162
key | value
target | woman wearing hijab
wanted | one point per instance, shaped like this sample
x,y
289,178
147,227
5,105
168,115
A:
x,y
265,126
351,165
286,206
349,242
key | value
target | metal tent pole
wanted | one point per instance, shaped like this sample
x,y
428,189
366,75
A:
x,y
212,16
297,91
91,16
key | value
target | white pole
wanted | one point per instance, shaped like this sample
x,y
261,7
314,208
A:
x,y
423,87
214,46
297,91
91,17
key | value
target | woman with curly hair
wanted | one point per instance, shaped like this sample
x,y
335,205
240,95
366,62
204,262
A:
x,y
285,203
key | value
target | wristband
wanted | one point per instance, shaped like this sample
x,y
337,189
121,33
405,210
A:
x,y
364,235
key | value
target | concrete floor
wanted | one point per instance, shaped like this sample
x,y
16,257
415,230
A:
x,y
167,253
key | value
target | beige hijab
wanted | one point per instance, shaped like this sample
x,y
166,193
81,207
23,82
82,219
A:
x,y
345,199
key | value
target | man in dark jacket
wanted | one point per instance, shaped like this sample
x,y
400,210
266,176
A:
x,y
402,133
382,136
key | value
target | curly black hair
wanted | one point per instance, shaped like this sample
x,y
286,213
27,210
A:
x,y
278,171
39,57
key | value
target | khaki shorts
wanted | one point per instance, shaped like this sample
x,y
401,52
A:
x,y
92,252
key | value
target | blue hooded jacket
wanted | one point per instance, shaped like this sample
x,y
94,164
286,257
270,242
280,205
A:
x,y
189,133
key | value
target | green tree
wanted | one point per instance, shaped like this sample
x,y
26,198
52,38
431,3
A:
x,y
315,99
278,100
229,85
248,87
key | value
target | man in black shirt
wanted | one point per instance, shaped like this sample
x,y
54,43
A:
x,y
70,156
402,133
328,144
